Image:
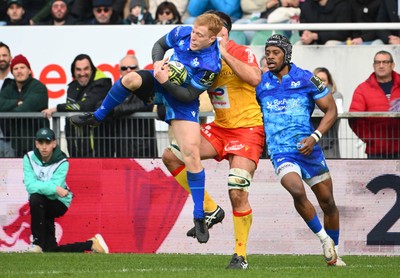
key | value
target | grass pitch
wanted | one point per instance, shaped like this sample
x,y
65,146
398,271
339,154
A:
x,y
178,265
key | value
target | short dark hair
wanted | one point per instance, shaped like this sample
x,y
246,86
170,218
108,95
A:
x,y
384,52
2,44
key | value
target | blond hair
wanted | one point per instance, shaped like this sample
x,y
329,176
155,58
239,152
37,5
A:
x,y
212,21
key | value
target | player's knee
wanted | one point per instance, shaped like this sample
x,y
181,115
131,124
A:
x,y
131,81
239,179
297,192
328,205
239,199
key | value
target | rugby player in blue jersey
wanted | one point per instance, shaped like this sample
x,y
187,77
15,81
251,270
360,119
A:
x,y
197,48
287,95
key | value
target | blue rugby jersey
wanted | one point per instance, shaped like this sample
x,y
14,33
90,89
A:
x,y
202,65
287,107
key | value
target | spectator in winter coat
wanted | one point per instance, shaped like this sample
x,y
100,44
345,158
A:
x,y
22,94
379,93
85,93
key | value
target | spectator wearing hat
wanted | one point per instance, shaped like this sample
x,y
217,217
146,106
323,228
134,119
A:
x,y
45,173
23,94
103,13
16,13
138,13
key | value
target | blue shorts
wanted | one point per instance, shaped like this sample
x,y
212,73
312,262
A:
x,y
311,166
175,109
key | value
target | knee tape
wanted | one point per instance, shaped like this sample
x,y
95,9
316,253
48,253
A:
x,y
239,179
175,150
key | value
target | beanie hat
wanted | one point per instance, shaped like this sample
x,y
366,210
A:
x,y
18,2
101,3
19,59
135,3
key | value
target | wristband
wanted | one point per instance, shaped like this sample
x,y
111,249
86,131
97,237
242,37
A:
x,y
315,136
318,133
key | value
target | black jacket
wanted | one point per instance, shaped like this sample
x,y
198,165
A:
x,y
85,99
388,13
365,11
335,11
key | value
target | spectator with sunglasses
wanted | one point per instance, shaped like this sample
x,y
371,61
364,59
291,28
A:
x,y
167,13
133,137
181,6
103,13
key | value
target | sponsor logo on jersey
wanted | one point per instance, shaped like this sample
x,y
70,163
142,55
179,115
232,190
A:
x,y
234,146
206,130
208,78
295,84
317,83
283,167
195,62
283,104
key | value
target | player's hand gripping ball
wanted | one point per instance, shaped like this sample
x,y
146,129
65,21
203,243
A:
x,y
177,72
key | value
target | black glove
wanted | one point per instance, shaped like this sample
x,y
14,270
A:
x,y
86,119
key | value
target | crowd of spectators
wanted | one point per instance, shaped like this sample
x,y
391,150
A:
x,y
95,12
119,136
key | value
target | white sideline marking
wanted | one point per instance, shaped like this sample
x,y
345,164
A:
x,y
141,270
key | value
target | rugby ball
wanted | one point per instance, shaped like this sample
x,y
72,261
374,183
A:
x,y
177,72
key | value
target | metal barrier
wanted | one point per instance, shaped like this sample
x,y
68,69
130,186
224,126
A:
x,y
143,136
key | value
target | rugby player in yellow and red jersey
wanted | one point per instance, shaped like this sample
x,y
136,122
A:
x,y
237,135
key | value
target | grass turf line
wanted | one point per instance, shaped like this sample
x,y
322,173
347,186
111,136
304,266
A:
x,y
179,265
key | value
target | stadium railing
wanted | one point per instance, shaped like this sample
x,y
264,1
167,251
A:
x,y
350,146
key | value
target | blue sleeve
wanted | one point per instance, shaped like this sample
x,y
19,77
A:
x,y
317,87
175,35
